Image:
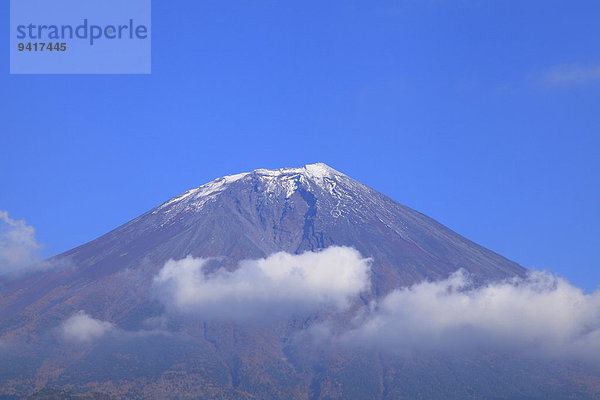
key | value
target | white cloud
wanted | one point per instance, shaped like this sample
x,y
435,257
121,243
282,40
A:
x,y
19,250
542,314
83,328
571,74
277,285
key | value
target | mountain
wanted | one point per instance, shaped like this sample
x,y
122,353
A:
x,y
242,217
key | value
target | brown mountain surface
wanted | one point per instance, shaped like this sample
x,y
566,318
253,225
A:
x,y
235,218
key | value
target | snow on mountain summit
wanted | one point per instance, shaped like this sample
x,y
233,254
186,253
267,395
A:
x,y
274,181
316,171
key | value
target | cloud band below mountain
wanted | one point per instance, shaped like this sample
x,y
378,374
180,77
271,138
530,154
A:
x,y
279,284
541,314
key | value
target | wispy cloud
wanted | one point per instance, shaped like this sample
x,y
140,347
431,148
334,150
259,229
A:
x,y
540,314
19,250
82,328
571,74
274,286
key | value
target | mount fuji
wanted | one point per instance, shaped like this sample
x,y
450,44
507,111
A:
x,y
130,343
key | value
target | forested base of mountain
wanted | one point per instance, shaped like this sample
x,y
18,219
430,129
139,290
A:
x,y
154,369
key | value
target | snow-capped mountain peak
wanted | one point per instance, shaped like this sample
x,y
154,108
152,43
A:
x,y
274,180
315,171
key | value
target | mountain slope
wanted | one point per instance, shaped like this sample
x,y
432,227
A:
x,y
234,218
297,209
254,214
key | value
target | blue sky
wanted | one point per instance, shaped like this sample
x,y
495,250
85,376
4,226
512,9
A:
x,y
481,114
